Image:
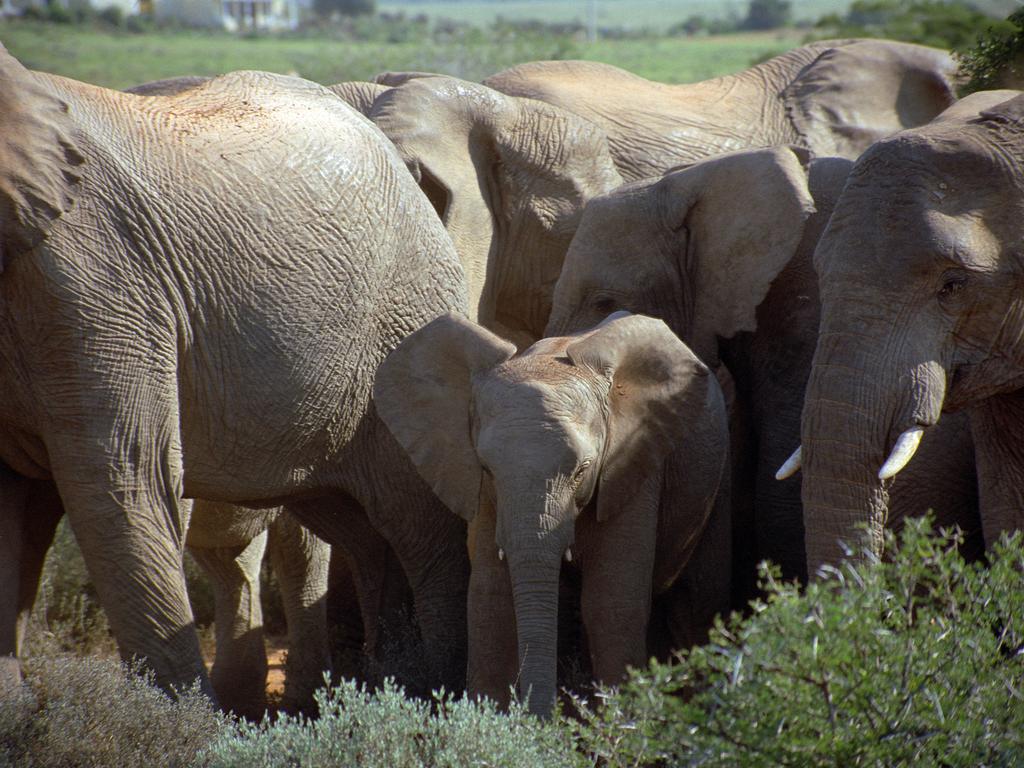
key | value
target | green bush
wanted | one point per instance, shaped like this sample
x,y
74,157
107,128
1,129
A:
x,y
917,660
997,58
112,16
83,712
67,616
952,24
387,729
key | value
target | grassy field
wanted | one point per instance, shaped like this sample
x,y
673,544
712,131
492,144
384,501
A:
x,y
629,14
118,60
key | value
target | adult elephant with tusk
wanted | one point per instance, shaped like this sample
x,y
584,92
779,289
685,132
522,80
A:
x,y
920,281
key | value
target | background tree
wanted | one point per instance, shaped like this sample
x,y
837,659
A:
x,y
768,14
997,59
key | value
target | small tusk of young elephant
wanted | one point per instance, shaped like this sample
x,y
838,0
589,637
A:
x,y
501,553
791,466
902,453
568,555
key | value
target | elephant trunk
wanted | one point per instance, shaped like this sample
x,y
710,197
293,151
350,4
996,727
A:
x,y
869,396
534,576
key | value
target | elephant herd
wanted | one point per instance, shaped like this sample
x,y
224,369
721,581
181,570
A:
x,y
564,323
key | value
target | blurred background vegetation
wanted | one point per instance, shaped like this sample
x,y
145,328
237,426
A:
x,y
332,41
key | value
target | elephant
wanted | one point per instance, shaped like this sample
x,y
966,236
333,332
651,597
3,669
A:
x,y
557,452
834,98
721,251
509,178
226,547
919,276
174,327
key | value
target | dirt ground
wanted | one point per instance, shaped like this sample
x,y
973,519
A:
x,y
276,649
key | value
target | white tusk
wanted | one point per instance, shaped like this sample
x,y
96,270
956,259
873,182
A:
x,y
501,553
791,467
568,555
902,453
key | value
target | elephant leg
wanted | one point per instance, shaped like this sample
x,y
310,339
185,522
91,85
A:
x,y
29,513
430,544
778,510
369,591
742,491
120,477
239,674
995,426
344,617
301,560
438,574
617,560
703,587
493,654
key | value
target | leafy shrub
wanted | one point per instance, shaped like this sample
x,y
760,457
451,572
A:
x,y
95,712
997,58
385,728
67,614
916,660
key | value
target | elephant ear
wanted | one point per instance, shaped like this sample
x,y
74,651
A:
x,y
488,161
852,95
743,216
423,393
442,129
38,159
656,383
358,95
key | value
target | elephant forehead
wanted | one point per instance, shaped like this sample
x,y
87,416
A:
x,y
512,406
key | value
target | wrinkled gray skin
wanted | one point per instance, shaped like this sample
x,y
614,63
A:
x,y
216,339
509,178
920,280
523,444
722,252
224,542
834,98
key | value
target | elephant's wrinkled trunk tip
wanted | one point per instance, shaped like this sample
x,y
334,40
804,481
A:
x,y
902,453
791,465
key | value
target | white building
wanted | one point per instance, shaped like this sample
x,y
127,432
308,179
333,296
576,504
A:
x,y
233,15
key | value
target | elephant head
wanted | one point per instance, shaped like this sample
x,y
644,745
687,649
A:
x,y
921,278
509,178
533,438
39,163
698,247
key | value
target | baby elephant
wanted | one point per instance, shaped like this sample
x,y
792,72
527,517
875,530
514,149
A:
x,y
558,453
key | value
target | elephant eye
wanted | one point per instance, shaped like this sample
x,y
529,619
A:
x,y
953,284
605,305
581,470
